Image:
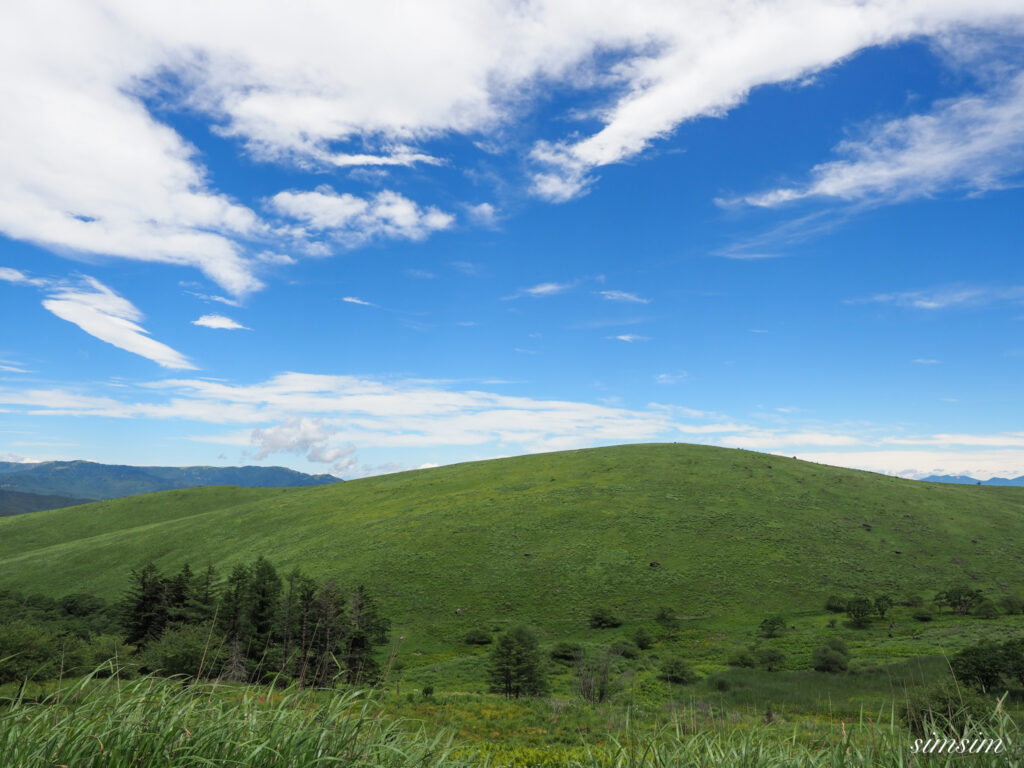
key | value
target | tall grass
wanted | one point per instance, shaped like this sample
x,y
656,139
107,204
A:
x,y
159,722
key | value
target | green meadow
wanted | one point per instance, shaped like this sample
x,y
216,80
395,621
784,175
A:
x,y
692,547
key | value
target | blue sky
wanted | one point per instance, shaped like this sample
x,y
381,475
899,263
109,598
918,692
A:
x,y
363,240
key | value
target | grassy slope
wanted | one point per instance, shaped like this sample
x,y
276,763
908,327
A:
x,y
737,534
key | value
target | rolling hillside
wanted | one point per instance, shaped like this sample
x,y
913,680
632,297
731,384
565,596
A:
x,y
715,533
92,481
17,503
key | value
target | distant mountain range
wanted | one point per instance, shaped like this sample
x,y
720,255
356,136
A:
x,y
53,484
965,480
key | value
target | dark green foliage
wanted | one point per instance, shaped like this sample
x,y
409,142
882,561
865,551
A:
x,y
945,708
882,605
771,658
825,659
986,609
195,651
836,604
644,640
913,601
676,669
1013,660
144,608
860,609
478,637
28,652
624,648
515,667
1012,604
960,599
566,652
428,691
743,658
922,614
772,626
603,618
667,617
981,665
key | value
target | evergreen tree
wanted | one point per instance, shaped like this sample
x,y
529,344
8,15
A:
x,y
515,667
366,629
144,609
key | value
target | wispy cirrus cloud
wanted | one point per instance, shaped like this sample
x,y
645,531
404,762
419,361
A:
x,y
623,296
101,313
973,143
543,290
946,297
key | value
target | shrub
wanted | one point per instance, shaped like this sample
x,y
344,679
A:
x,y
667,618
859,609
624,648
826,659
478,637
922,614
676,669
882,605
603,618
986,610
913,601
190,650
1012,604
946,709
566,651
595,679
772,626
428,691
644,640
743,658
837,644
771,658
835,604
721,684
35,652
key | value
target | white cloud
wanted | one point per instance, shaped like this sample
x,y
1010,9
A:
x,y
925,361
86,166
975,143
669,379
629,338
943,298
353,220
100,312
623,296
542,290
484,214
219,321
357,300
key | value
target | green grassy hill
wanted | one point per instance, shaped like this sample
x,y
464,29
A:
x,y
718,534
17,503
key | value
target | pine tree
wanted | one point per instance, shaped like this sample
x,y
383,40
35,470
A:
x,y
144,610
515,667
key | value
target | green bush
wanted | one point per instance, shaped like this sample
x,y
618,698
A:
x,y
772,626
835,604
825,659
625,648
743,658
566,651
860,609
603,618
191,650
678,670
27,652
644,640
667,618
771,658
981,665
947,709
923,614
478,637
986,609
1012,604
